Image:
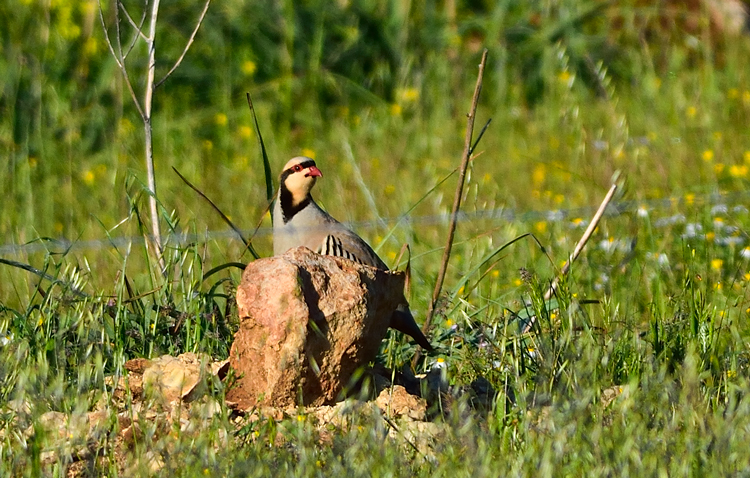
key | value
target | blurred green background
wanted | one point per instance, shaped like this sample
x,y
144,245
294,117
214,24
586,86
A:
x,y
576,90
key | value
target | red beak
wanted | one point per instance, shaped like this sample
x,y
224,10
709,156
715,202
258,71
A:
x,y
313,171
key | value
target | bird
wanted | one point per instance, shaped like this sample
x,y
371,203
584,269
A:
x,y
299,221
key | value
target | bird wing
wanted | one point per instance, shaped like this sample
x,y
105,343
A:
x,y
346,244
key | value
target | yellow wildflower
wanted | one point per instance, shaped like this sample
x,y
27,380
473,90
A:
x,y
538,175
408,95
249,68
90,47
88,177
245,132
738,171
566,78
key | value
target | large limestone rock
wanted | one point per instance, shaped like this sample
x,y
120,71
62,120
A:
x,y
307,323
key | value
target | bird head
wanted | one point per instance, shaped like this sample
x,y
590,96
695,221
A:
x,y
299,176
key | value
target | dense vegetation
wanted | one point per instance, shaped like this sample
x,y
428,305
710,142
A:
x,y
581,93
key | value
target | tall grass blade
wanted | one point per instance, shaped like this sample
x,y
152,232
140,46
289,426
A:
x,y
266,163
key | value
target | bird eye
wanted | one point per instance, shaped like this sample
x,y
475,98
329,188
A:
x,y
297,168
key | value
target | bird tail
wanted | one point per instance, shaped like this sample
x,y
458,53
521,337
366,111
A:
x,y
403,321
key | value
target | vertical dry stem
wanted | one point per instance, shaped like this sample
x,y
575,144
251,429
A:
x,y
145,109
147,101
457,198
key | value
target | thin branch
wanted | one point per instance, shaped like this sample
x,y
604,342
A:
x,y
120,62
582,243
106,36
138,28
576,251
187,47
459,194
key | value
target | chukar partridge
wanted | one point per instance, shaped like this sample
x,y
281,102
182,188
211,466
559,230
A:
x,y
299,221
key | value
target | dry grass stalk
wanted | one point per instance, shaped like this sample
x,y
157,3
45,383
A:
x,y
457,198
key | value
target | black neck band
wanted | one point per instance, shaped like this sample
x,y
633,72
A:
x,y
288,208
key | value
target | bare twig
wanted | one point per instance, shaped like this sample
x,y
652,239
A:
x,y
187,47
459,193
138,28
582,243
576,251
118,59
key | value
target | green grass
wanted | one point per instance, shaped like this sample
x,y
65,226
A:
x,y
655,309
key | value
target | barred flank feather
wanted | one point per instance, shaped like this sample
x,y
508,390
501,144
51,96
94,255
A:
x,y
332,246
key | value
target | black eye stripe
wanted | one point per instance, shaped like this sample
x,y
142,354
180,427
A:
x,y
303,165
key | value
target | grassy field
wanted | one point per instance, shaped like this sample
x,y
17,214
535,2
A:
x,y
655,311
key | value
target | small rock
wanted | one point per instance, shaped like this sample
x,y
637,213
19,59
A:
x,y
137,365
176,378
396,402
